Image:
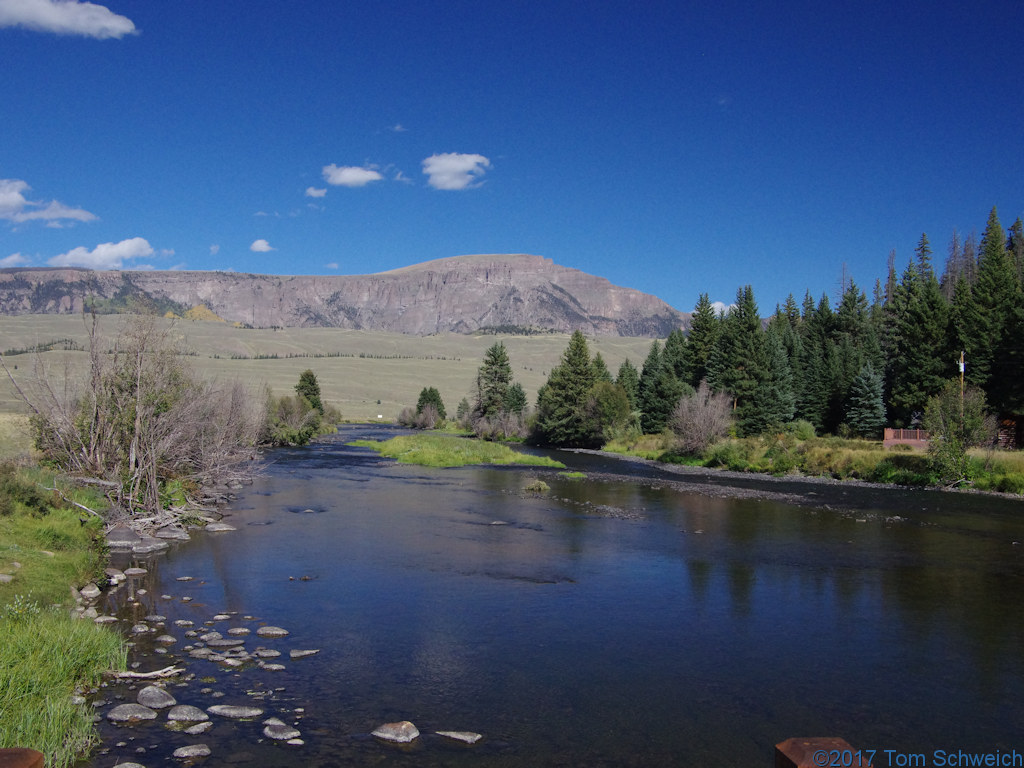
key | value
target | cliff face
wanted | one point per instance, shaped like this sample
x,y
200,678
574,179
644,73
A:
x,y
456,295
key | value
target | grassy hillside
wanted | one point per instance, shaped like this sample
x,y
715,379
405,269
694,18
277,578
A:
x,y
363,366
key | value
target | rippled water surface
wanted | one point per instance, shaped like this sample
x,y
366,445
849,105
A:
x,y
609,622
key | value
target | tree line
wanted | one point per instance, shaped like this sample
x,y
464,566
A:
x,y
847,370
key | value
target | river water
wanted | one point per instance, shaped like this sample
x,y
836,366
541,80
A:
x,y
631,618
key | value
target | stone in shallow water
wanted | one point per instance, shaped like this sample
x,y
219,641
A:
x,y
105,619
135,571
149,544
272,667
239,631
167,639
465,736
279,730
154,697
401,732
217,527
192,751
271,632
130,713
301,654
266,653
122,537
89,591
234,712
198,728
186,713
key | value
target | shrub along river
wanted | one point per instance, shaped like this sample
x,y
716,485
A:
x,y
635,617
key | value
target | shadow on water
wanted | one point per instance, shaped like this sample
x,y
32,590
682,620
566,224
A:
x,y
636,617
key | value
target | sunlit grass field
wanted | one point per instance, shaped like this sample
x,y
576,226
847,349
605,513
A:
x,y
356,369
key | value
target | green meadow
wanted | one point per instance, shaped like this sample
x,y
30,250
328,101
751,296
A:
x,y
356,369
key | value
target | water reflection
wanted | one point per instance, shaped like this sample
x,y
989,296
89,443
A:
x,y
615,621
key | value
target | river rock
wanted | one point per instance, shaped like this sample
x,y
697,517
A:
x,y
225,642
130,713
155,697
105,619
166,639
170,532
135,571
186,713
89,591
467,737
149,544
271,632
192,751
272,667
234,712
122,537
280,732
198,728
401,732
218,527
183,578
301,654
239,631
208,636
6,578
266,653
222,617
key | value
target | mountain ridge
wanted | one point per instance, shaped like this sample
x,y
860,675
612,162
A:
x,y
457,294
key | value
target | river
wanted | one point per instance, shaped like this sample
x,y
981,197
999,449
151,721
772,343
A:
x,y
634,617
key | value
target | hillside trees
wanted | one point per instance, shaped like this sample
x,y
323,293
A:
x,y
500,403
574,407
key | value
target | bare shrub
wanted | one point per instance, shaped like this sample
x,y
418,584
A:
x,y
427,418
700,419
501,426
142,418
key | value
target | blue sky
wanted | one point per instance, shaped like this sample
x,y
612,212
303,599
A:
x,y
673,147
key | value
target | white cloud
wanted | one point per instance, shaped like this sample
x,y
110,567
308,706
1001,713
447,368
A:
x,y
453,170
260,246
332,265
14,260
349,176
104,255
214,250
721,307
399,128
314,192
65,17
14,206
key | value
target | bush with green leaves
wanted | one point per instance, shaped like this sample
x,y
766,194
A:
x,y
956,419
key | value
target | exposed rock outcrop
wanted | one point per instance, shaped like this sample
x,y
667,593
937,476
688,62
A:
x,y
462,294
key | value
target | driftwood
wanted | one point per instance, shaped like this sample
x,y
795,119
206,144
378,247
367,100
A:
x,y
165,672
74,503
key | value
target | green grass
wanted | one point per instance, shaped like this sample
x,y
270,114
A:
x,y
439,450
573,475
44,655
15,441
389,367
48,547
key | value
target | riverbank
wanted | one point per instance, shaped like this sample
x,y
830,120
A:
x,y
47,548
830,459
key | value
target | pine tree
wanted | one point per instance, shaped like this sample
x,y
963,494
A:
x,y
492,383
865,405
430,396
309,388
515,402
561,402
660,390
601,372
704,330
993,293
629,379
676,356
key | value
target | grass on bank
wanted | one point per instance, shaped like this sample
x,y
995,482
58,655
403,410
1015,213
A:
x,y
46,547
44,656
440,450
835,457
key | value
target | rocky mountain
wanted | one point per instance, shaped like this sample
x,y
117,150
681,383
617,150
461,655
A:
x,y
462,294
